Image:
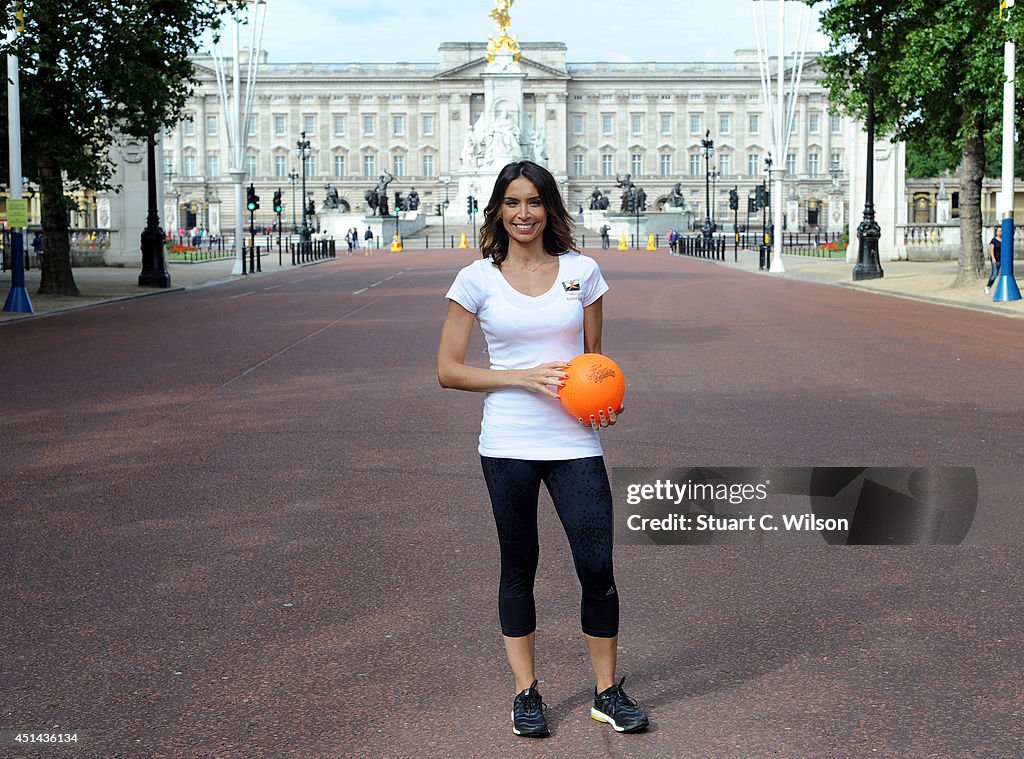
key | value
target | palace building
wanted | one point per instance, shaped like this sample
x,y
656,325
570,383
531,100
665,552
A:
x,y
441,127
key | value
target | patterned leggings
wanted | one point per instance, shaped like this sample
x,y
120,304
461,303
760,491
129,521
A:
x,y
582,496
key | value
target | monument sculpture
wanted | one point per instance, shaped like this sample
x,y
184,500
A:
x,y
598,200
332,200
377,198
634,199
675,196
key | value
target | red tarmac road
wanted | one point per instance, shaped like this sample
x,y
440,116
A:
x,y
243,520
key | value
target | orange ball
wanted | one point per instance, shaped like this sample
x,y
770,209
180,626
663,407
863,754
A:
x,y
595,383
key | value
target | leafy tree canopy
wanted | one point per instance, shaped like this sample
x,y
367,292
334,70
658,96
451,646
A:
x,y
935,68
92,68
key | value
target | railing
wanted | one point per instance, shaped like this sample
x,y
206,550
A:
x,y
88,248
312,250
701,247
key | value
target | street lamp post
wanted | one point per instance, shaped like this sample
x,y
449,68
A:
x,y
868,231
154,266
445,180
708,146
715,174
293,177
303,149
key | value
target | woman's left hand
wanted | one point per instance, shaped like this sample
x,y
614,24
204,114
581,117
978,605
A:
x,y
605,418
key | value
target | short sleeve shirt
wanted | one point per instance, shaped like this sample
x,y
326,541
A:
x,y
523,331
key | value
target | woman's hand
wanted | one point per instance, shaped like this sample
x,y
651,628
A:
x,y
541,378
605,418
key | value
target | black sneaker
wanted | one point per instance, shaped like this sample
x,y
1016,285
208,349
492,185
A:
x,y
528,714
618,710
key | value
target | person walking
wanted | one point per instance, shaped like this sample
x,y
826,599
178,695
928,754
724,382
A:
x,y
995,251
539,302
368,240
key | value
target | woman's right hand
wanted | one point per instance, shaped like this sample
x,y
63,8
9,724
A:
x,y
541,378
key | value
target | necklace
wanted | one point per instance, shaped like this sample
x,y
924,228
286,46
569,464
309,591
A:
x,y
534,268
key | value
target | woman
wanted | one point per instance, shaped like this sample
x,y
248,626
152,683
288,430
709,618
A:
x,y
995,252
538,302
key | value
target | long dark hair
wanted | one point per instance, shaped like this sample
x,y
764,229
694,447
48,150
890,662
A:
x,y
558,230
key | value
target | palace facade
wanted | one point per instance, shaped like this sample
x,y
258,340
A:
x,y
590,122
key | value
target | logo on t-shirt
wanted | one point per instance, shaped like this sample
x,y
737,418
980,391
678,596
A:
x,y
571,285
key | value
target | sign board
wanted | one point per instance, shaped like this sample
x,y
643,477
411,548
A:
x,y
17,213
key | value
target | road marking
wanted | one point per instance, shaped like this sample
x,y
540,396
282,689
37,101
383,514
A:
x,y
251,292
273,287
360,292
287,348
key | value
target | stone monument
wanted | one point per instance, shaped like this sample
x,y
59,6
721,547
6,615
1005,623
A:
x,y
500,135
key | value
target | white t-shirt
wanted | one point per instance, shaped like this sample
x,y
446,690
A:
x,y
523,331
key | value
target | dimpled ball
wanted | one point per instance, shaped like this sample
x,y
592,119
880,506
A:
x,y
595,383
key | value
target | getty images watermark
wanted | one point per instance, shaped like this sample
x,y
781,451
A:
x,y
815,505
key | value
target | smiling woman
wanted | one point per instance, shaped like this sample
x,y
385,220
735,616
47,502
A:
x,y
538,302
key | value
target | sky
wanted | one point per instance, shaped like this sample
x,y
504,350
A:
x,y
345,31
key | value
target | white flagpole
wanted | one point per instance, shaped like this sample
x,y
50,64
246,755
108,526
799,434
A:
x,y
17,298
1006,285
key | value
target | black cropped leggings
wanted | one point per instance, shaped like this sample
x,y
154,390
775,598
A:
x,y
582,496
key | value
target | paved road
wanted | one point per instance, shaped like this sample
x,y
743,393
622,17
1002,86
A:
x,y
243,520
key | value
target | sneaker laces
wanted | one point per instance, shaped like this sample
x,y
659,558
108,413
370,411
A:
x,y
530,700
617,695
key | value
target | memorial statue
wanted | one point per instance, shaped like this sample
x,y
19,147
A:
x,y
634,199
503,140
412,201
332,200
540,148
626,205
598,200
675,197
377,198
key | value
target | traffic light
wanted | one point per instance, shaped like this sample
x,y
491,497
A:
x,y
760,196
253,202
469,205
312,209
277,202
734,200
475,206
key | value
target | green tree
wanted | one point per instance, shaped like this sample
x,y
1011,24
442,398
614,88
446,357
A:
x,y
936,67
91,70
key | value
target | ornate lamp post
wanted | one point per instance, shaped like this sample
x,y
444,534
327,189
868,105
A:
x,y
302,146
708,146
715,174
868,231
293,177
154,266
445,180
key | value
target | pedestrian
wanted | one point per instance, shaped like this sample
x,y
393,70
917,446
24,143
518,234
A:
x,y
605,241
368,240
995,251
673,240
539,302
37,249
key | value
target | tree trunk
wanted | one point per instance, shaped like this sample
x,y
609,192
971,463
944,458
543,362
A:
x,y
56,276
972,247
